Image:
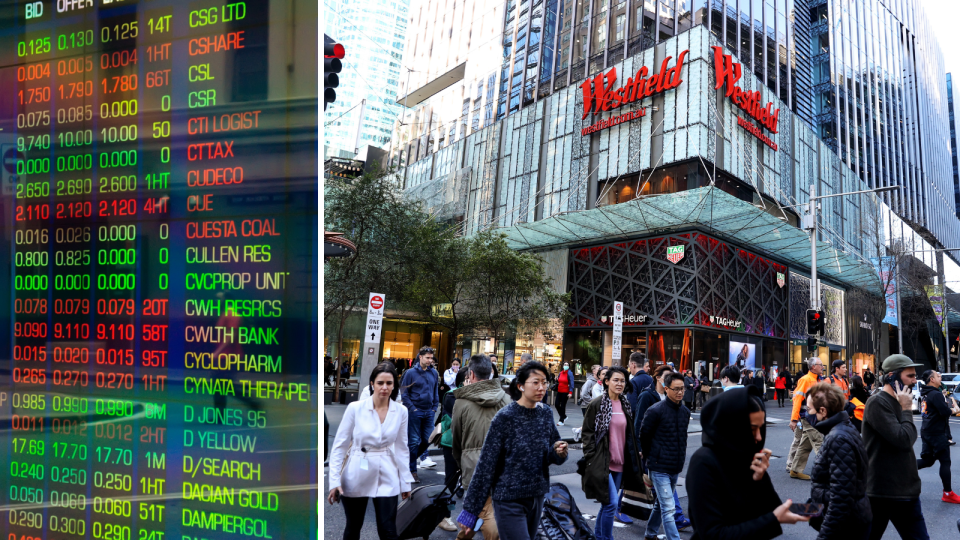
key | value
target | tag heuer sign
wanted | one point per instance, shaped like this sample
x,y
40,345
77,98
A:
x,y
675,253
780,279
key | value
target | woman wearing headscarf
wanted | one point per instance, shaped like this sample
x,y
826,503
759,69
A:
x,y
840,471
731,495
610,453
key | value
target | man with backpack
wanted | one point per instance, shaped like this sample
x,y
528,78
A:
x,y
478,401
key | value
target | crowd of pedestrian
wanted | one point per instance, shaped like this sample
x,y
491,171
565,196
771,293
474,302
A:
x,y
498,446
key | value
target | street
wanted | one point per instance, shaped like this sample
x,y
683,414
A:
x,y
940,517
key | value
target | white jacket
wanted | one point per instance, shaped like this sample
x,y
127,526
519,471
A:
x,y
387,471
450,377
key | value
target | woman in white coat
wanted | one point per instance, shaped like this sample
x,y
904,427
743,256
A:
x,y
370,457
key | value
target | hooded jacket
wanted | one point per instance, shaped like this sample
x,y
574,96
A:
x,y
638,383
840,480
726,503
935,429
418,389
586,391
596,456
476,405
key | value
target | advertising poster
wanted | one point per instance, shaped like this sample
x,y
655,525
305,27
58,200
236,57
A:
x,y
885,269
743,355
937,302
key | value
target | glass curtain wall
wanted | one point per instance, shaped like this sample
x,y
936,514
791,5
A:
x,y
580,38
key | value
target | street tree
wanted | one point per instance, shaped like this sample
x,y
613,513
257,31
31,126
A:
x,y
393,238
514,290
480,285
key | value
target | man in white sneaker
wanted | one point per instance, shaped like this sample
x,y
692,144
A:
x,y
420,396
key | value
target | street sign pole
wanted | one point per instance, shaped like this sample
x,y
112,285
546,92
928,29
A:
x,y
617,332
814,284
371,337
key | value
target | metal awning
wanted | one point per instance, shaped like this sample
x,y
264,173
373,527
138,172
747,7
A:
x,y
433,87
709,209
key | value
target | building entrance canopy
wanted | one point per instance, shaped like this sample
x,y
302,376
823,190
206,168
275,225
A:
x,y
709,209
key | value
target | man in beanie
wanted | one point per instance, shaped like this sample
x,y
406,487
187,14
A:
x,y
935,431
893,483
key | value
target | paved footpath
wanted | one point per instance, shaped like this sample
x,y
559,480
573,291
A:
x,y
940,517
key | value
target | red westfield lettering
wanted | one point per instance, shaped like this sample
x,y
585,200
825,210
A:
x,y
728,73
599,96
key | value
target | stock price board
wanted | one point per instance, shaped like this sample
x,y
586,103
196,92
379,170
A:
x,y
158,378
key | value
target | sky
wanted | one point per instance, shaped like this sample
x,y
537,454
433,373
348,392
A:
x,y
944,14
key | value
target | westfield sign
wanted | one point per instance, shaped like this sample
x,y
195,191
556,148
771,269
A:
x,y
728,73
599,94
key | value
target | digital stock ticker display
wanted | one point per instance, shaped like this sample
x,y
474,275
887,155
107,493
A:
x,y
158,364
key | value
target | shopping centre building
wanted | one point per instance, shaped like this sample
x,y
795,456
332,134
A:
x,y
665,159
674,181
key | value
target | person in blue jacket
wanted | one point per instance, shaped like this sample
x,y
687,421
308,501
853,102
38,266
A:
x,y
419,391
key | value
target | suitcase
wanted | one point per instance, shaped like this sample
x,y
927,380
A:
x,y
424,509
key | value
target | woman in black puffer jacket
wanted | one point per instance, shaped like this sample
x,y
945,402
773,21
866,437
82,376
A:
x,y
840,471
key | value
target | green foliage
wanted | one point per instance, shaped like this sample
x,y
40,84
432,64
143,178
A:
x,y
391,235
486,286
420,264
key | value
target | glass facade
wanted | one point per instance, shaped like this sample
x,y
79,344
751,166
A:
x,y
879,103
373,32
953,144
866,76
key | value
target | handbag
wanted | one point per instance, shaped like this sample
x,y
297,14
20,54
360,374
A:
x,y
436,434
637,504
705,388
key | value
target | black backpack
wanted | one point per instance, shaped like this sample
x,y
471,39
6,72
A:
x,y
561,519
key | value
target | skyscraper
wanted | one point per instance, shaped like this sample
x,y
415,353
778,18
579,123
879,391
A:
x,y
953,144
866,76
879,101
373,32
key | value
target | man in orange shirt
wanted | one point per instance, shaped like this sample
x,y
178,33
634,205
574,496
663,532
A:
x,y
805,436
839,377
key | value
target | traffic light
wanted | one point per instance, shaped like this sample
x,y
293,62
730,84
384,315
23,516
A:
x,y
814,322
332,53
812,344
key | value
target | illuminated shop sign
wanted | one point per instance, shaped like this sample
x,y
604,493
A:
x,y
723,321
599,94
728,73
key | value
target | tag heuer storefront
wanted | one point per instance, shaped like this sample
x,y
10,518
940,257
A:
x,y
689,299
